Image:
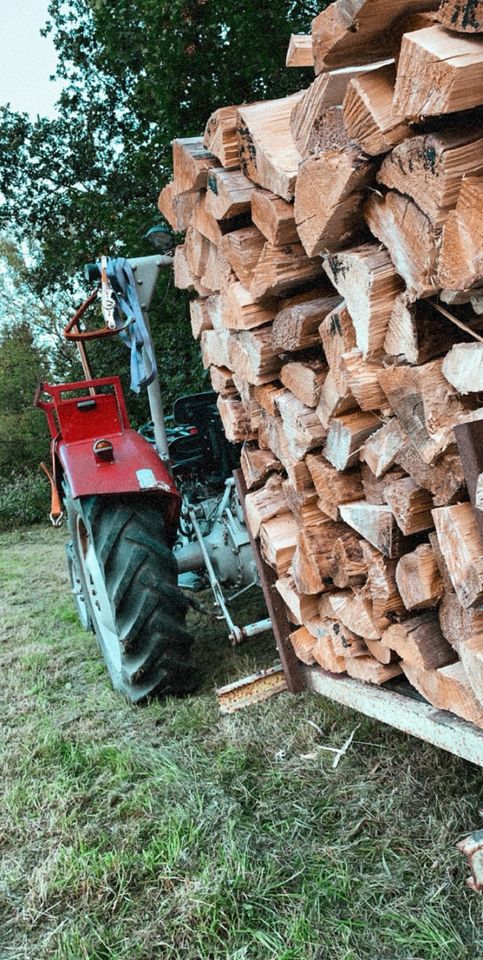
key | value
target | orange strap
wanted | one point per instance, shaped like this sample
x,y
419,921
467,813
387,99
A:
x,y
56,512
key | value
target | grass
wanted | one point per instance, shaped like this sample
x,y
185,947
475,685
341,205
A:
x,y
171,832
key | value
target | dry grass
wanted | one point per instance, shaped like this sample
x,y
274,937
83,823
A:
x,y
170,832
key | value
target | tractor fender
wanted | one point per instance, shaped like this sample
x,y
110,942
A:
x,y
135,467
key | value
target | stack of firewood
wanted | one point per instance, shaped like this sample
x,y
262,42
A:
x,y
333,240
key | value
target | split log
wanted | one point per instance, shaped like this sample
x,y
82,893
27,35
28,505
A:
x,y
461,257
303,643
448,71
278,539
462,548
257,465
176,208
253,357
352,32
362,377
458,624
471,654
369,115
235,419
297,327
200,315
196,250
300,606
343,641
267,394
333,488
191,163
420,643
346,435
303,504
444,479
326,656
267,151
447,689
381,583
366,278
304,379
220,136
228,194
299,53
183,276
274,217
350,568
265,504
329,199
429,168
418,579
463,367
382,448
303,429
418,332
376,524
281,269
410,238
222,381
371,670
380,652
354,611
338,337
411,506
335,399
312,563
465,16
309,116
374,487
215,349
241,312
243,249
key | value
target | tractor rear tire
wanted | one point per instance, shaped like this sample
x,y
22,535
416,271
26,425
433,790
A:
x,y
129,585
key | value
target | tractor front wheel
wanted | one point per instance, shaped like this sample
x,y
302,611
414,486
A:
x,y
125,583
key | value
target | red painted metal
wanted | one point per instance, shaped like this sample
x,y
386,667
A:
x,y
97,411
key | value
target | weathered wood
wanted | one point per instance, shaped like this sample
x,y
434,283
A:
x,y
278,540
332,486
253,357
465,16
220,136
448,689
371,670
300,606
463,367
310,120
374,487
222,381
312,563
343,641
471,654
346,435
381,583
369,115
176,208
380,450
297,327
282,269
257,465
419,642
299,53
329,199
214,346
302,428
191,163
376,524
326,657
200,316
267,151
411,505
338,337
265,503
418,331
418,579
353,610
367,279
352,32
304,379
235,419
228,193
303,643
362,377
350,568
430,167
241,312
410,238
444,478
458,624
461,257
243,249
183,277
380,652
449,72
335,399
462,548
274,217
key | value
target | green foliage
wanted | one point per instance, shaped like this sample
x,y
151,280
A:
x,y
24,499
23,437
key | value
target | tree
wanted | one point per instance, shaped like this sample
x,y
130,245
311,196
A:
x,y
23,436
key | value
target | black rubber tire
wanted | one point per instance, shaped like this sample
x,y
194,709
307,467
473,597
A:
x,y
140,576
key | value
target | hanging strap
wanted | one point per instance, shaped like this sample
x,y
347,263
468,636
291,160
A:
x,y
56,512
134,332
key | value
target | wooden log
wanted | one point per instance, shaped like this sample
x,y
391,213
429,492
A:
x,y
381,583
220,136
235,419
335,399
374,487
253,357
462,548
228,194
200,316
410,238
371,670
302,428
444,478
303,504
419,642
297,327
243,249
471,654
449,72
463,367
191,163
369,115
312,563
303,643
326,656
430,167
282,269
381,449
417,332
299,53
362,377
376,524
464,16
458,624
352,32
215,349
274,217
304,379
183,277
278,539
300,606
447,689
176,208
366,278
329,199
266,396
343,641
257,465
338,337
241,312
333,488
346,435
309,120
197,250
222,381
461,257
418,579
380,652
267,151
411,506
265,503
350,568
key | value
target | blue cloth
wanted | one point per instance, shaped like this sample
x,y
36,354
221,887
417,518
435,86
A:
x,y
135,335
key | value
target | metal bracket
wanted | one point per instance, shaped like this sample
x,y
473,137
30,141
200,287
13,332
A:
x,y
253,689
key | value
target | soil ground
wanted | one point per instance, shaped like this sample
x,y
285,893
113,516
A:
x,y
171,832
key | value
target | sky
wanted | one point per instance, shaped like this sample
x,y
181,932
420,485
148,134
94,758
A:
x,y
26,59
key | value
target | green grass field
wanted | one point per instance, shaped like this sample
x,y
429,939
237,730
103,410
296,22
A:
x,y
171,832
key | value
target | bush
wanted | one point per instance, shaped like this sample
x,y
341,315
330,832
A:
x,y
24,499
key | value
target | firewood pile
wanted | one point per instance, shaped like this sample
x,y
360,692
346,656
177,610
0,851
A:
x,y
333,240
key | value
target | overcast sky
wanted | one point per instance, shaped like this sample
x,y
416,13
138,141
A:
x,y
26,59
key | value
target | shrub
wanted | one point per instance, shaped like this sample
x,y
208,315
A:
x,y
24,499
